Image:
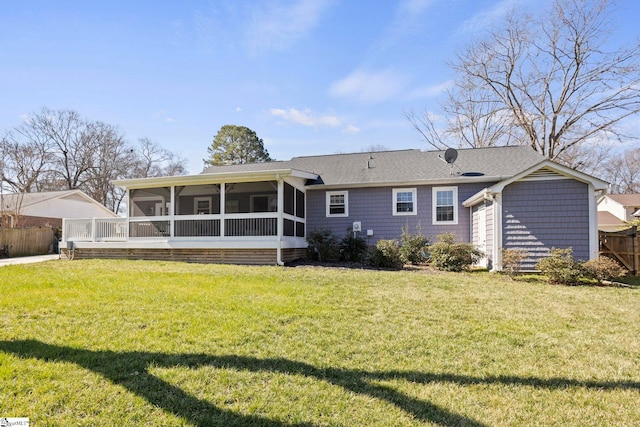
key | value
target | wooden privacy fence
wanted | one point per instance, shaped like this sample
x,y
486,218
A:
x,y
622,246
27,241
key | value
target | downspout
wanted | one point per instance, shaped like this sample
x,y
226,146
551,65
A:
x,y
280,226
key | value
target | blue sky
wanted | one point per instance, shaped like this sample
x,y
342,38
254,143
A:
x,y
309,76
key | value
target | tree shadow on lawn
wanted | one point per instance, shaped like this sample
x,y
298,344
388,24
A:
x,y
131,370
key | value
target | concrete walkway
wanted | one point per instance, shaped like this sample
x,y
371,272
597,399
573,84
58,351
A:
x,y
27,259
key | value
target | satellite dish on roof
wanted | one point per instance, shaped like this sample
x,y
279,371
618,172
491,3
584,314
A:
x,y
450,155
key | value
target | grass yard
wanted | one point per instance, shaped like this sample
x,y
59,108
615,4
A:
x,y
112,343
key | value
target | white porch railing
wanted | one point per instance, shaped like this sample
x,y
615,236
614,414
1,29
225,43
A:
x,y
187,226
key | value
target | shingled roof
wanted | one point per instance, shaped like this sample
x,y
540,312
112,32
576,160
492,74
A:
x,y
403,166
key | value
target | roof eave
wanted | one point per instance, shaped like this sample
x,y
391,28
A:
x,y
450,181
209,178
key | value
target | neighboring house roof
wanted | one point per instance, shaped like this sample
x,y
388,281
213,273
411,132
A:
x,y
24,203
609,222
625,200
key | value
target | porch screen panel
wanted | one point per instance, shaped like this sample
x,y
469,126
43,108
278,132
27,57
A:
x,y
197,199
289,227
149,229
251,197
197,228
299,204
247,227
289,199
150,202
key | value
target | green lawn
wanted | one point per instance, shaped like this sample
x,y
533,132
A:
x,y
112,343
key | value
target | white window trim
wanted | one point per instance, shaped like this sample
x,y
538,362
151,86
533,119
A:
x,y
346,203
394,208
434,201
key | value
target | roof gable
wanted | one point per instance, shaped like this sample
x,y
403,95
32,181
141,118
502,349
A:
x,y
546,169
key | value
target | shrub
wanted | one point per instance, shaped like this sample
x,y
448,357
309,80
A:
x,y
448,255
323,244
561,268
413,247
604,268
512,261
386,254
353,248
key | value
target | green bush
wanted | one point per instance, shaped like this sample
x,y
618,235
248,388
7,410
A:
x,y
448,255
604,268
561,268
323,245
413,247
353,248
386,254
512,261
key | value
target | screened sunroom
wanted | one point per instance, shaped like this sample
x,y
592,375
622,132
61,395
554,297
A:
x,y
239,211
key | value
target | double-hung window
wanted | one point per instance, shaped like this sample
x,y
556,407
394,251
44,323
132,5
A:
x,y
337,203
445,205
405,201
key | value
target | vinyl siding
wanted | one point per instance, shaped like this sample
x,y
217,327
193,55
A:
x,y
373,207
539,215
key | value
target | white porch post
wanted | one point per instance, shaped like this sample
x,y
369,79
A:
x,y
172,217
222,205
93,229
280,226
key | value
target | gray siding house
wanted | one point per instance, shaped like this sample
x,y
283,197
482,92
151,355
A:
x,y
497,198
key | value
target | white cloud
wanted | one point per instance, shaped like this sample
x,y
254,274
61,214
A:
x,y
368,87
415,7
306,118
280,24
164,116
483,20
351,129
432,91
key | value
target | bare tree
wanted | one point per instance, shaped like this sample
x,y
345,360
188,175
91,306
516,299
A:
x,y
59,150
623,172
547,81
23,162
426,125
471,119
153,160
